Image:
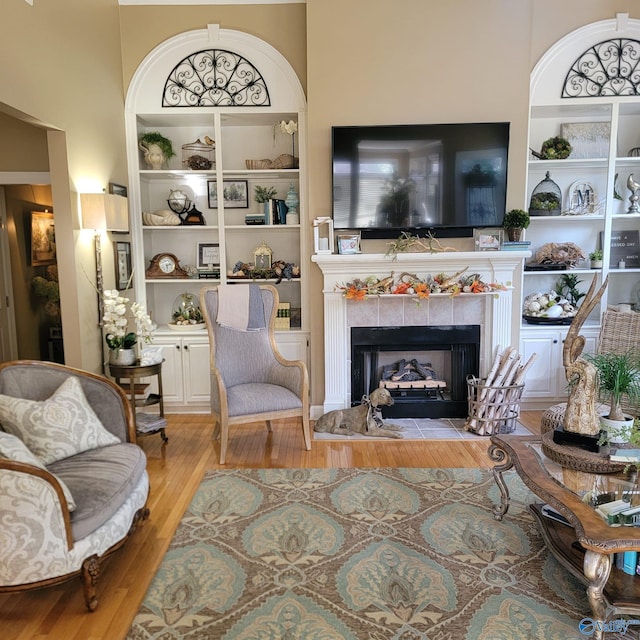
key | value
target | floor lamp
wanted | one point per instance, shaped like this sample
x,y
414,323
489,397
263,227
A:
x,y
103,212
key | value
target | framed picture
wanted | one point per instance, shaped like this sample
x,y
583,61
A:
x,y
42,238
208,253
123,264
348,244
587,139
488,239
117,189
235,194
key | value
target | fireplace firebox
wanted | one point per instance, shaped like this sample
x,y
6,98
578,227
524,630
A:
x,y
425,368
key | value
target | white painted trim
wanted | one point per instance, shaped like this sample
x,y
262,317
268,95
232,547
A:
x,y
557,59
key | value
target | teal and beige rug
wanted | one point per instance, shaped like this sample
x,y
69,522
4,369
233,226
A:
x,y
358,554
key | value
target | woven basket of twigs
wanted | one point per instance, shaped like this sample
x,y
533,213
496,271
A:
x,y
492,409
265,163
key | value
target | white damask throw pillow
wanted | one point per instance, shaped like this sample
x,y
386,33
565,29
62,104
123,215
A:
x,y
56,428
12,448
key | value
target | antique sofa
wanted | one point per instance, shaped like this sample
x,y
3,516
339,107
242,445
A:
x,y
73,483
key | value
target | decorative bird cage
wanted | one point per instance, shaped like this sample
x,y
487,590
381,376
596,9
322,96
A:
x,y
198,155
546,198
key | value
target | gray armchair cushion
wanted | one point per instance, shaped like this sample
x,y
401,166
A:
x,y
258,397
100,481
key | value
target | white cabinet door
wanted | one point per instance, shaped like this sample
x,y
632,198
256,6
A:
x,y
196,371
542,378
293,346
172,387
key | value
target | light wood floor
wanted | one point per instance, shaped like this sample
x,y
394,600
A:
x,y
175,472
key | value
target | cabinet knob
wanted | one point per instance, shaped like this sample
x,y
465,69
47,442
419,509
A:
x,y
178,347
555,341
186,347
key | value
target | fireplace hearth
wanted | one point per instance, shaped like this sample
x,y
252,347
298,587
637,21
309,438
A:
x,y
424,367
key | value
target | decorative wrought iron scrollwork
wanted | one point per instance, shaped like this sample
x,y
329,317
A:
x,y
609,68
215,78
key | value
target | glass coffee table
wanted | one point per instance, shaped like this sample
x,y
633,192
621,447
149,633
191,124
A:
x,y
586,547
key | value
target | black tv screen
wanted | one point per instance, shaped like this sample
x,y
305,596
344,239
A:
x,y
436,177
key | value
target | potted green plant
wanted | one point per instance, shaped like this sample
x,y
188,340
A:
x,y
514,222
157,149
596,259
618,376
262,194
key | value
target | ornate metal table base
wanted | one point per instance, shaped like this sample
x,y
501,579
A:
x,y
500,455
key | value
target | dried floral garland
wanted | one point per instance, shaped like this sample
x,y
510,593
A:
x,y
410,284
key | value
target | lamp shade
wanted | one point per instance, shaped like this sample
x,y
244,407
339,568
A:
x,y
104,211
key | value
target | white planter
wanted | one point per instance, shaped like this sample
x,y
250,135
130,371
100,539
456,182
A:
x,y
618,432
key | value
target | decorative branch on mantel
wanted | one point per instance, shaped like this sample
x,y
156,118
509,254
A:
x,y
410,284
407,243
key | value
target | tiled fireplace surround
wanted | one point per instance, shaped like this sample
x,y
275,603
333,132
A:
x,y
497,314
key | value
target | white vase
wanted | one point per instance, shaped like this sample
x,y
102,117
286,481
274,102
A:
x,y
153,155
122,357
618,431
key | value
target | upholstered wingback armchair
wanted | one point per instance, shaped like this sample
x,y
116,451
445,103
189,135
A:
x,y
73,483
250,380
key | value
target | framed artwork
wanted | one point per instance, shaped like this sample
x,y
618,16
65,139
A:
x,y
235,194
587,139
348,244
208,253
488,239
117,189
42,238
123,264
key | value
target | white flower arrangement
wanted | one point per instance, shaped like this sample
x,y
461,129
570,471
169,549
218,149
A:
x,y
118,312
289,127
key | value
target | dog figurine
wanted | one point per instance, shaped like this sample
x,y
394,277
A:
x,y
365,418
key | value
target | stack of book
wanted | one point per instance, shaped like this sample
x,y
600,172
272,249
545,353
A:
x,y
148,422
519,245
625,455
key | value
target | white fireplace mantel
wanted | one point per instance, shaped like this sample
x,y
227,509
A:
x,y
501,318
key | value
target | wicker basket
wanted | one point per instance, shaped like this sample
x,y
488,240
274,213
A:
x,y
285,161
492,409
259,164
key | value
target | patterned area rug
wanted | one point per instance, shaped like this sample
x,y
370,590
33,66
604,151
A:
x,y
367,554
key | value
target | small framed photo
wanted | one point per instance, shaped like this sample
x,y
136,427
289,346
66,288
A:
x,y
235,194
488,239
118,189
123,265
208,255
348,244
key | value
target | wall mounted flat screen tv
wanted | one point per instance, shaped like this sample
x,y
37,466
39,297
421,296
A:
x,y
443,178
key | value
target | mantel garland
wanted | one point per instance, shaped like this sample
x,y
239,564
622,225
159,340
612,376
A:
x,y
411,285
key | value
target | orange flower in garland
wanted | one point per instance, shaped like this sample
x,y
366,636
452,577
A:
x,y
421,289
353,293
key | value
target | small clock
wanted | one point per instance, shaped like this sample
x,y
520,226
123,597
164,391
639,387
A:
x,y
165,265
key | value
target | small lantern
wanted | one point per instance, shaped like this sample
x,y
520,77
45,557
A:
x,y
323,235
262,256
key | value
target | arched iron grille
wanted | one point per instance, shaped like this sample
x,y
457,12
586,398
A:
x,y
609,68
215,78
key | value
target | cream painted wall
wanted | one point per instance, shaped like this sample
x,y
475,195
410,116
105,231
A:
x,y
388,61
405,61
70,84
